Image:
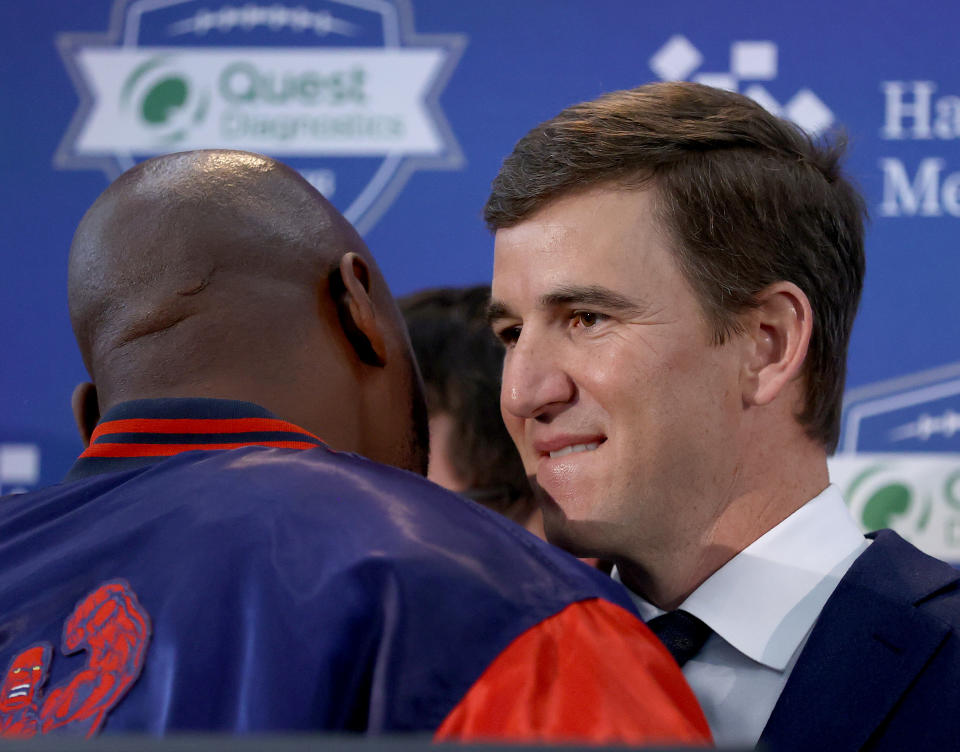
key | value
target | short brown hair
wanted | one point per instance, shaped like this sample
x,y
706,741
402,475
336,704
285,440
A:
x,y
749,199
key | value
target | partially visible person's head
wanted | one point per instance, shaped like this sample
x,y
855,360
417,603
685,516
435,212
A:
x,y
460,359
676,275
746,198
225,274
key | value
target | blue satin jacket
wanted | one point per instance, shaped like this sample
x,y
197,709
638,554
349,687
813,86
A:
x,y
207,566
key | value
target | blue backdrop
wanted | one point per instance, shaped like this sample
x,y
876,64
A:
x,y
402,111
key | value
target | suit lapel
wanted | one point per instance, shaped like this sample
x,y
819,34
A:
x,y
867,646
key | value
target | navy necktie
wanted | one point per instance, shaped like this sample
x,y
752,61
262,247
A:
x,y
682,633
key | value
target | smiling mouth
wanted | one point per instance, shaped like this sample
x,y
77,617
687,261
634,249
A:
x,y
574,448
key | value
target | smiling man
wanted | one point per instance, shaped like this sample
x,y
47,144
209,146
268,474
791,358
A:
x,y
676,277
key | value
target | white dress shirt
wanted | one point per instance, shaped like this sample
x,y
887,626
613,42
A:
x,y
761,606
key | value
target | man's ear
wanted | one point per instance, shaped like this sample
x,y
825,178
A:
x,y
86,410
778,332
350,287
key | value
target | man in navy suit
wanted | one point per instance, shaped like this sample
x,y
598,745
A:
x,y
676,277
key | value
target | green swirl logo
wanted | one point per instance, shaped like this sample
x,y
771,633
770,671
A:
x,y
163,100
879,497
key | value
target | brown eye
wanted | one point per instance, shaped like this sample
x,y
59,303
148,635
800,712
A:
x,y
587,318
508,335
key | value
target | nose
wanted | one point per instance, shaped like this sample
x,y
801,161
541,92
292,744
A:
x,y
535,384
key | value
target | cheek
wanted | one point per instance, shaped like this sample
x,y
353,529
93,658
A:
x,y
619,384
700,403
669,390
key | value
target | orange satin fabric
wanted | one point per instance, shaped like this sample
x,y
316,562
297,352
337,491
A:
x,y
592,673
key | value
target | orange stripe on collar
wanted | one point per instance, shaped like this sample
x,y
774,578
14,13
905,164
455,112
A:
x,y
196,425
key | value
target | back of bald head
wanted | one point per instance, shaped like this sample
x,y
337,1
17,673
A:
x,y
224,274
200,268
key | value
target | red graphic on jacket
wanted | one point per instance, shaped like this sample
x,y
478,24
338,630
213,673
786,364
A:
x,y
114,629
21,690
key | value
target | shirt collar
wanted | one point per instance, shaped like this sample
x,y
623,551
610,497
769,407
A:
x,y
766,599
141,432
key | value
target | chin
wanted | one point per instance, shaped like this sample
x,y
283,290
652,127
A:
x,y
580,537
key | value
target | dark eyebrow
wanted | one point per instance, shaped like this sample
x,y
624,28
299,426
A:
x,y
496,310
567,295
592,295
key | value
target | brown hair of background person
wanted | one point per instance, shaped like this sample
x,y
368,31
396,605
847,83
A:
x,y
748,197
461,362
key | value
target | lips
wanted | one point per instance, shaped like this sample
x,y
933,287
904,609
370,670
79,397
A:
x,y
567,466
560,446
589,447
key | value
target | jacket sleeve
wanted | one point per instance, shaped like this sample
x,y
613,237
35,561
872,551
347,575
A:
x,y
592,673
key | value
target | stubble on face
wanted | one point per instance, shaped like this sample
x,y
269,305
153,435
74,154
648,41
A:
x,y
619,379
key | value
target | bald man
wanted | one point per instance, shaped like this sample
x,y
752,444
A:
x,y
222,558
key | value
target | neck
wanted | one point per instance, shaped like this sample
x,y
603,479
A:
x,y
668,576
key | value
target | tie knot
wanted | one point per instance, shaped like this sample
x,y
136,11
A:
x,y
681,632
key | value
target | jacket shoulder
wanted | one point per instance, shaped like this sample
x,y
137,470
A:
x,y
898,570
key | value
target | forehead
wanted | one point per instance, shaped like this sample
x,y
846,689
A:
x,y
607,237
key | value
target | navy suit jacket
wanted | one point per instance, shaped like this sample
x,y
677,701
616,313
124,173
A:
x,y
881,670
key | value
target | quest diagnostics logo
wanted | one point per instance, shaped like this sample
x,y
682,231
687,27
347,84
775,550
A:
x,y
343,90
916,413
898,459
915,494
752,65
883,495
159,97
